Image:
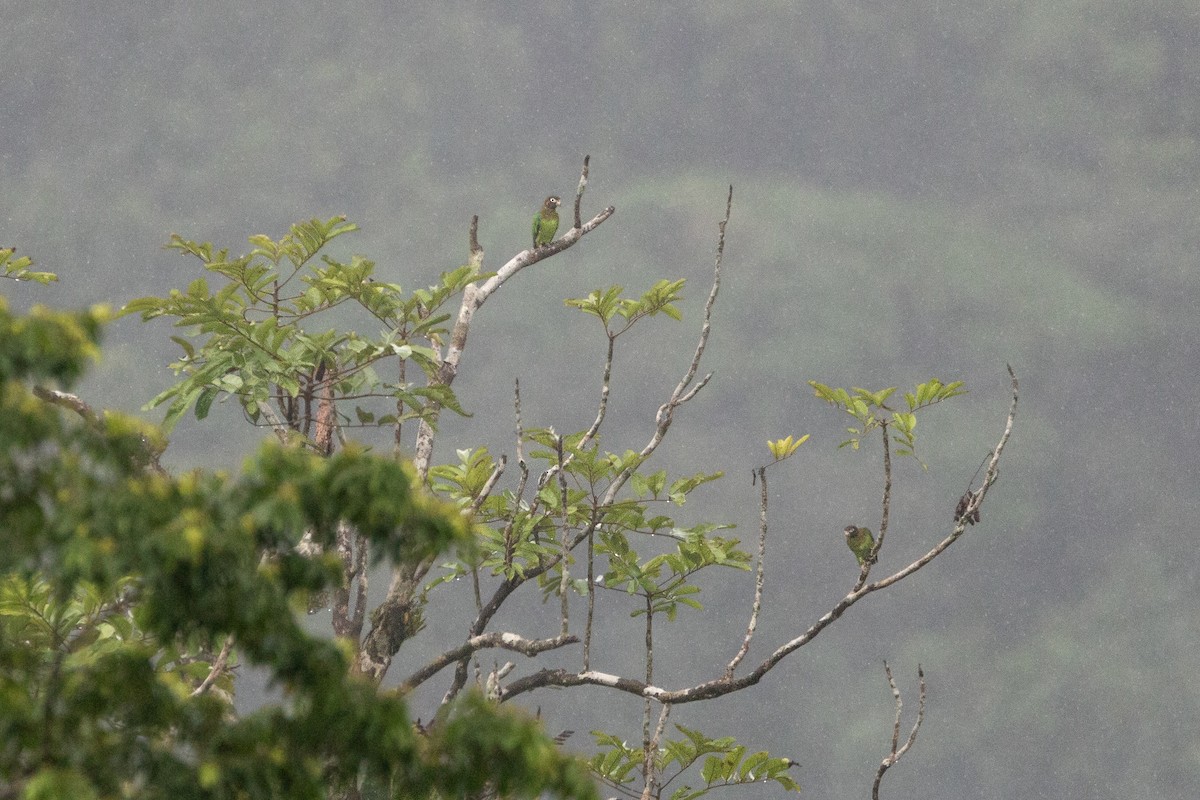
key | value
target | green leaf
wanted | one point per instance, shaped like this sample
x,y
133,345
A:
x,y
785,447
204,401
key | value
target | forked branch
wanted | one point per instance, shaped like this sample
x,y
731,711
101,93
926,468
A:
x,y
727,684
379,644
899,750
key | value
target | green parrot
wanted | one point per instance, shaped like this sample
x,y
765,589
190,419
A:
x,y
545,222
860,541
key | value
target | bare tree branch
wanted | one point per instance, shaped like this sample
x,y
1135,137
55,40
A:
x,y
151,450
647,753
68,400
898,751
605,389
474,296
583,182
386,634
218,667
726,684
564,594
873,558
681,395
758,575
650,777
506,641
277,425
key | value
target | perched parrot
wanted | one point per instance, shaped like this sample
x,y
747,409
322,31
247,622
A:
x,y
545,222
860,541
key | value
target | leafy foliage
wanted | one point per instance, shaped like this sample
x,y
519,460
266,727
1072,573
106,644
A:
x,y
593,520
168,584
118,583
871,410
610,307
786,447
263,343
519,537
724,763
18,268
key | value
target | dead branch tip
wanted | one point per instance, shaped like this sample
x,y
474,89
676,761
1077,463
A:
x,y
473,243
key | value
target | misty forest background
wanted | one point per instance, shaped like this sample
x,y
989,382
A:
x,y
921,189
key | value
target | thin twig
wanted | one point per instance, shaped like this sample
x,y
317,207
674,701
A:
x,y
520,432
565,537
887,503
475,587
605,389
681,394
482,497
648,762
898,751
476,504
591,593
761,474
218,667
376,655
583,182
510,543
727,685
594,429
473,246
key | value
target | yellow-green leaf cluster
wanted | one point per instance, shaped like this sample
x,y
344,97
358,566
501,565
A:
x,y
785,447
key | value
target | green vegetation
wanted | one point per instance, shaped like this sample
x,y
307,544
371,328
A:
x,y
923,189
130,597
